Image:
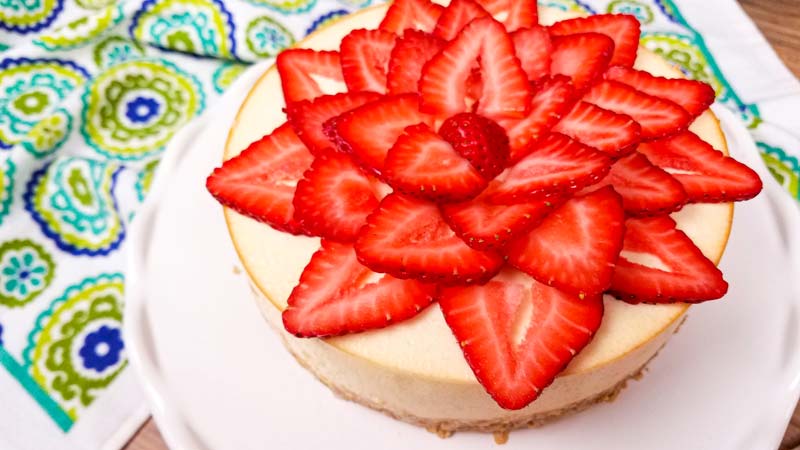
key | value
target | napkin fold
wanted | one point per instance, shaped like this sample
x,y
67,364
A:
x,y
91,91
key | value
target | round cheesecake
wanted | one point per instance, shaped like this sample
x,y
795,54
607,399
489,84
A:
x,y
415,370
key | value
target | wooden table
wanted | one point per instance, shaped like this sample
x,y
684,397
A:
x,y
779,20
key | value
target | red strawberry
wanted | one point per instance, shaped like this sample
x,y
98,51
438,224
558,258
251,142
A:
x,y
408,57
556,165
260,181
424,165
517,334
707,175
533,48
582,57
515,14
336,296
411,14
622,28
369,131
307,116
658,117
408,238
611,133
479,140
505,91
485,226
298,68
551,99
646,190
334,198
677,271
693,96
456,16
576,246
365,59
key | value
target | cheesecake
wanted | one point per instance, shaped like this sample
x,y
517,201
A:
x,y
414,369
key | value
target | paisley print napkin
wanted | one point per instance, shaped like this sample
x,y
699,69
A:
x,y
91,92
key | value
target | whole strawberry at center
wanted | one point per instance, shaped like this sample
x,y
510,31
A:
x,y
492,166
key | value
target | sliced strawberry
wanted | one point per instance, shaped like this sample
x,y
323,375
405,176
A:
x,y
298,68
707,175
624,29
505,91
693,96
424,165
479,140
365,59
260,181
408,57
551,99
411,14
658,117
515,14
307,116
486,226
517,334
556,165
533,48
334,198
337,295
456,16
582,57
576,246
660,264
369,131
611,133
646,190
408,238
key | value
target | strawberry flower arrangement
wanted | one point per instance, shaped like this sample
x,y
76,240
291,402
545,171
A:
x,y
492,166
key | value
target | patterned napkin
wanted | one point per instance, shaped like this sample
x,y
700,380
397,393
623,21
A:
x,y
91,92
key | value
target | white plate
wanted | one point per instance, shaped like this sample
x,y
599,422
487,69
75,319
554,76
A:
x,y
217,377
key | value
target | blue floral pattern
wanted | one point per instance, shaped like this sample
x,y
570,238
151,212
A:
x,y
101,349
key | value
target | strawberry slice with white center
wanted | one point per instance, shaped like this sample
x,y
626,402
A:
x,y
660,264
505,91
658,117
624,29
337,295
369,131
646,189
582,57
334,198
365,59
456,16
424,165
551,99
557,165
611,133
515,14
408,238
260,182
693,96
517,334
411,14
412,51
307,74
486,226
533,48
576,246
707,175
307,116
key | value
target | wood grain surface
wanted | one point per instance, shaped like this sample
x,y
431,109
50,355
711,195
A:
x,y
779,20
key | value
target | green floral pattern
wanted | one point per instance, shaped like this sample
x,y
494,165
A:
x,y
81,31
7,183
26,270
641,10
225,75
25,16
265,37
116,49
133,109
286,6
54,346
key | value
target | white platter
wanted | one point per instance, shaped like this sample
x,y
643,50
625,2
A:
x,y
217,377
